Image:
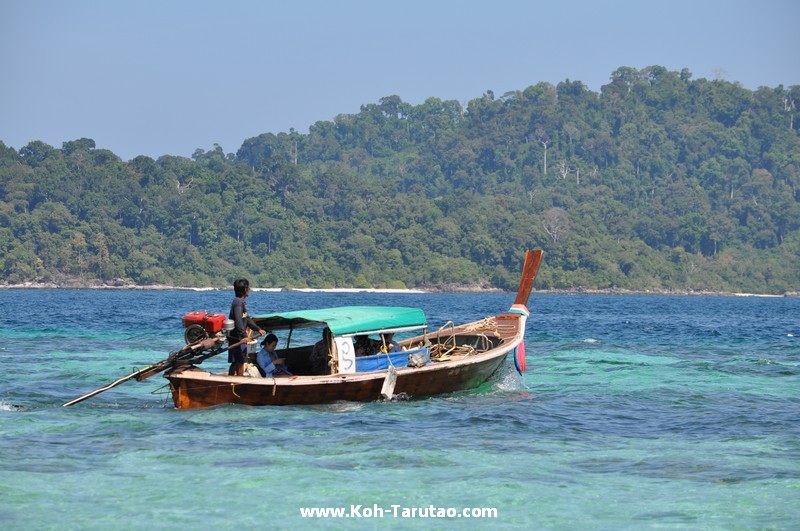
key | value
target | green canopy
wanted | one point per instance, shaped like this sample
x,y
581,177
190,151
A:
x,y
344,320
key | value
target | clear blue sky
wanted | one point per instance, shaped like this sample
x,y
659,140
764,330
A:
x,y
156,77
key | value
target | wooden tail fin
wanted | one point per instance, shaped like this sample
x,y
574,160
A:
x,y
529,270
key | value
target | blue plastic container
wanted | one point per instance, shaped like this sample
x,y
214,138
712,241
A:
x,y
380,361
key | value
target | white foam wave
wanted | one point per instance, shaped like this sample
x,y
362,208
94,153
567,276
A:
x,y
508,379
5,406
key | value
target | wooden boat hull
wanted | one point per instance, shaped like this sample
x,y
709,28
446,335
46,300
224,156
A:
x,y
195,388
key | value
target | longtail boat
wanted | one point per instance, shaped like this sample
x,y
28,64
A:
x,y
452,358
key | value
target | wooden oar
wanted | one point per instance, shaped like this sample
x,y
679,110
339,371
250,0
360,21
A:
x,y
529,269
184,355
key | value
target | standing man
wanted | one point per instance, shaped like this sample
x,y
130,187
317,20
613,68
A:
x,y
237,356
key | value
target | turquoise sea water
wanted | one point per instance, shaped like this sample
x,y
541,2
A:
x,y
637,412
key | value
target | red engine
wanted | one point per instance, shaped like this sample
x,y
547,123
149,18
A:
x,y
200,325
211,322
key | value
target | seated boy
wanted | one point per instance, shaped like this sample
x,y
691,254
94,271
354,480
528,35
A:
x,y
268,362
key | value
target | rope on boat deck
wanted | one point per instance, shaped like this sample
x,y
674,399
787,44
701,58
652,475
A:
x,y
487,324
443,351
440,351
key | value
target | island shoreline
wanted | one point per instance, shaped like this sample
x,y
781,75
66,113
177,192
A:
x,y
444,289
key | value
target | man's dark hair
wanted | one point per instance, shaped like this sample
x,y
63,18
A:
x,y
240,287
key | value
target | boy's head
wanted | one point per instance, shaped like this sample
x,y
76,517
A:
x,y
240,287
270,341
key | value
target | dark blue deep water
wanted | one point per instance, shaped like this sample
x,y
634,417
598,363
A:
x,y
637,412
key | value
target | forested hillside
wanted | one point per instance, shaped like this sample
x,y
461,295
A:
x,y
657,182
